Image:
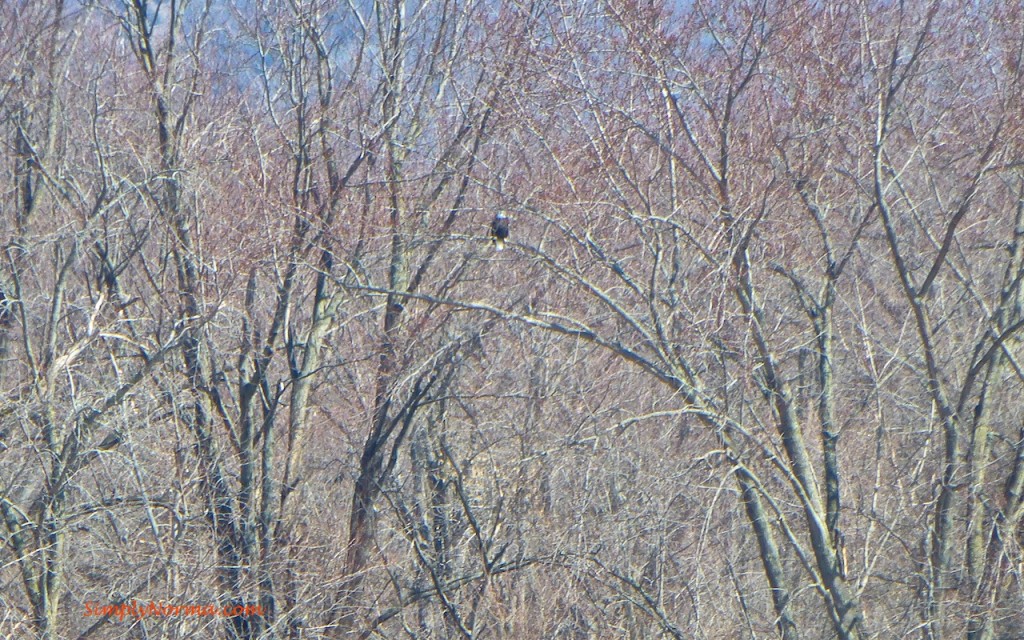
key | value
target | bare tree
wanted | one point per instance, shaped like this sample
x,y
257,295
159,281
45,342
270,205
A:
x,y
748,366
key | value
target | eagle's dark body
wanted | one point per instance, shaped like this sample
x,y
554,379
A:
x,y
499,231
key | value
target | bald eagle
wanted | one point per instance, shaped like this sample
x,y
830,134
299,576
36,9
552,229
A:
x,y
499,231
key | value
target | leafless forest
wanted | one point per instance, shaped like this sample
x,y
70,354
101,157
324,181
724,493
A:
x,y
751,365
